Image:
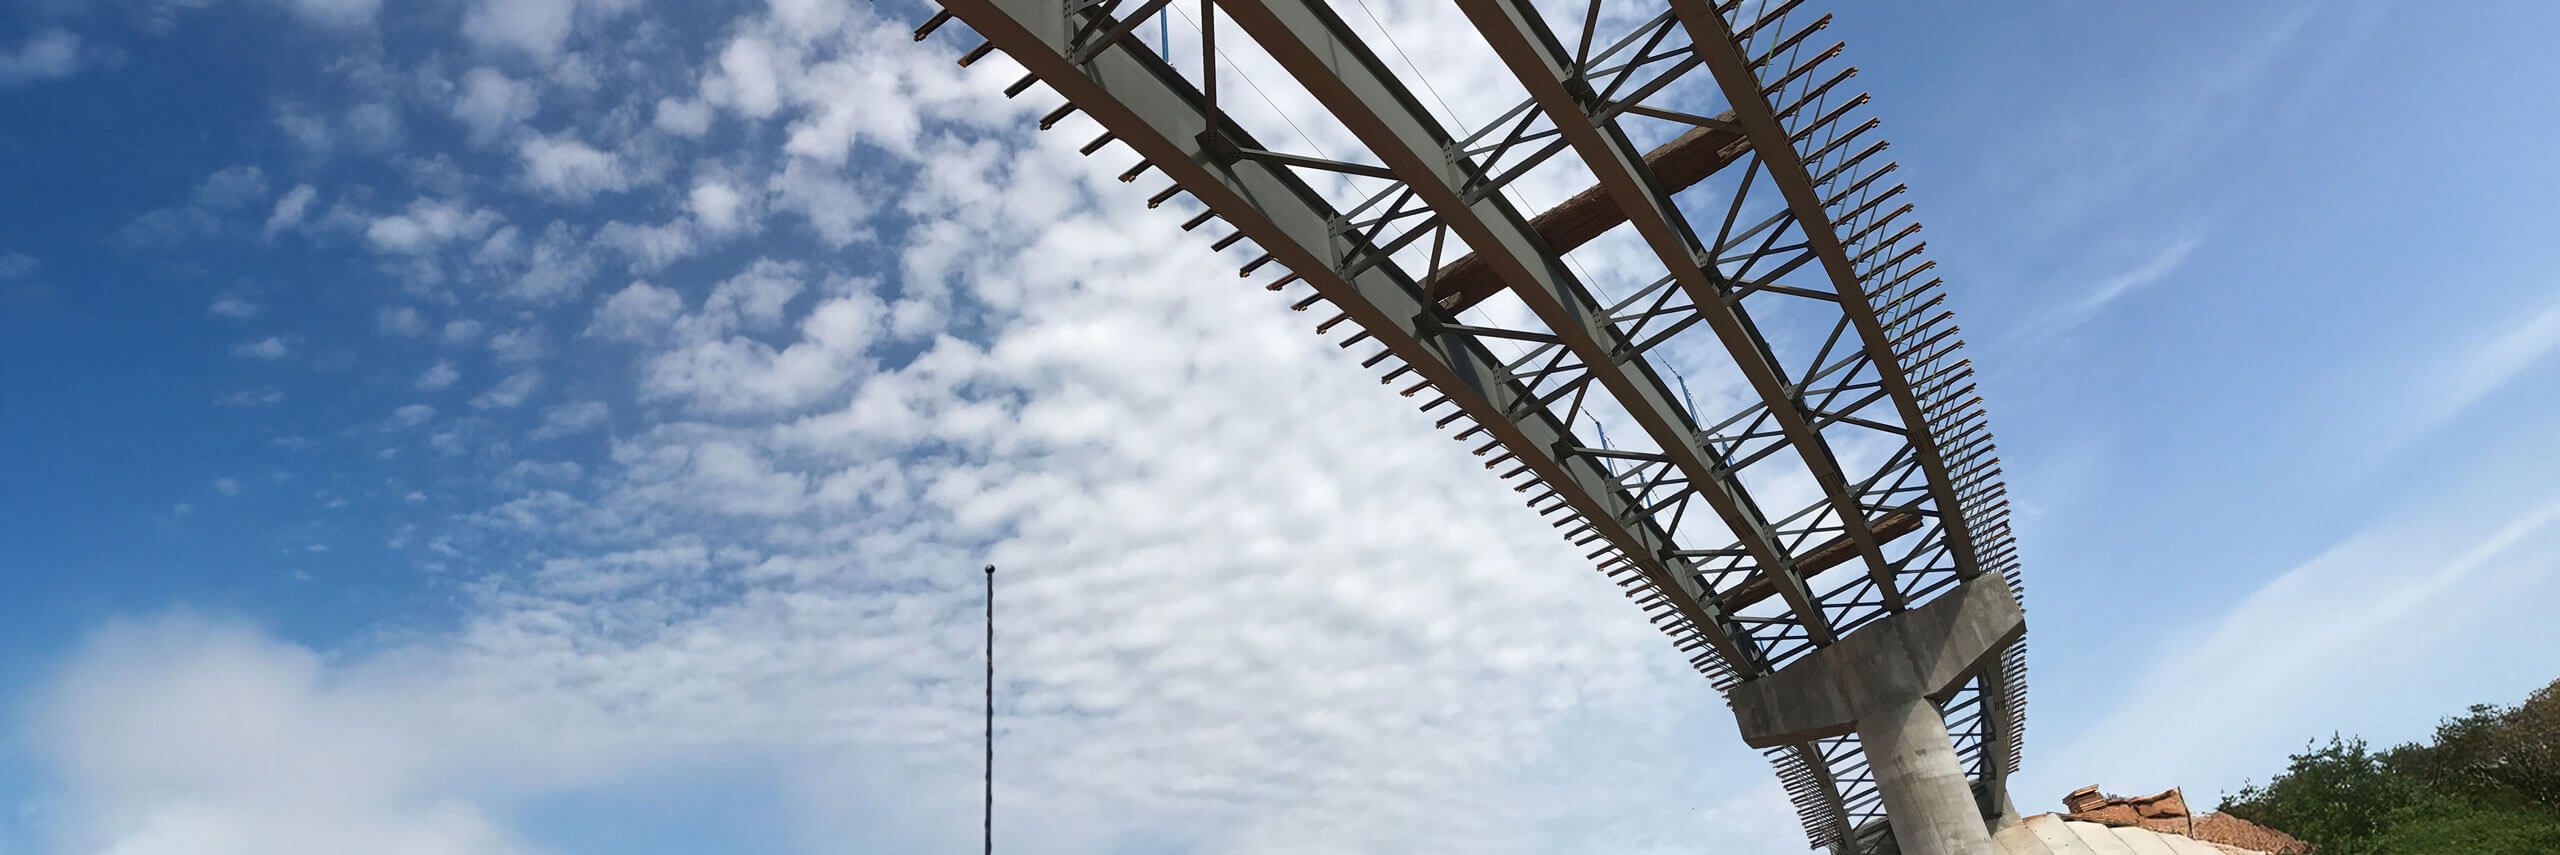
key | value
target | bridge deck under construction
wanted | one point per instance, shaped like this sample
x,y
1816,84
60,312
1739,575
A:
x,y
1839,472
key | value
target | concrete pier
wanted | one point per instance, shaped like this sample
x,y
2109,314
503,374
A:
x,y
1883,682
1926,796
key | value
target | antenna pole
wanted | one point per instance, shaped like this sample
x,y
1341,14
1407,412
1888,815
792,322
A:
x,y
990,823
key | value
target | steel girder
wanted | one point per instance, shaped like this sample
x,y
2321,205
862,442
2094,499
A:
x,y
1928,515
1521,38
1760,62
1352,82
1146,105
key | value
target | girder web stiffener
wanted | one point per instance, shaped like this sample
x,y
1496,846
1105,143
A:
x,y
1868,401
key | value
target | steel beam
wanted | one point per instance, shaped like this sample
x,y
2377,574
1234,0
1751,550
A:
x,y
1309,40
1714,41
1087,55
1958,488
1521,38
1679,164
1151,108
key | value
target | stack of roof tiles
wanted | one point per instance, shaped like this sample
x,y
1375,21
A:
x,y
2099,824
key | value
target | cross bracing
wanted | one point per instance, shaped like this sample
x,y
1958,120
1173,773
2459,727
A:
x,y
1780,250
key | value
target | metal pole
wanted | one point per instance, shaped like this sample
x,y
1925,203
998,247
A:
x,y
1209,59
990,823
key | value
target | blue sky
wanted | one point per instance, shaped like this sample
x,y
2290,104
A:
x,y
573,425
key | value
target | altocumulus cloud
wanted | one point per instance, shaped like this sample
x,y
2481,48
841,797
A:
x,y
1253,604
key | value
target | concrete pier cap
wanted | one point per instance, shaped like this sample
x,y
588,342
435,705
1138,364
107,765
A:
x,y
1884,682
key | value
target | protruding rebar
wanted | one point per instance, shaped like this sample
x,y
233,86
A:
x,y
933,23
1052,119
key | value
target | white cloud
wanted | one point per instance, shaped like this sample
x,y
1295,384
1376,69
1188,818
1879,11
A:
x,y
576,417
746,81
48,54
2160,266
402,321
835,122
837,208
718,207
428,224
227,486
181,735
722,478
510,392
637,311
650,248
215,201
246,398
2384,606
375,126
491,104
163,228
1250,636
289,209
684,118
755,298
335,13
558,268
14,265
231,188
736,374
565,169
438,376
2496,357
233,306
462,331
535,28
523,344
308,132
411,416
267,349
448,443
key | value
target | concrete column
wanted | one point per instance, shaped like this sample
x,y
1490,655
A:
x,y
1876,682
1926,796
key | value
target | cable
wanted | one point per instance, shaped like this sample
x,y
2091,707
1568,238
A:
x,y
1465,131
1416,69
1517,348
1257,88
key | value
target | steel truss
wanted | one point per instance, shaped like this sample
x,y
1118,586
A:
x,y
1865,400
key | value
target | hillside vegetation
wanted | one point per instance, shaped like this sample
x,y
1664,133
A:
x,y
2488,783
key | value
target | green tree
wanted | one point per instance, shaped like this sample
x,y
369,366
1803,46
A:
x,y
2467,830
2488,783
2502,752
2333,796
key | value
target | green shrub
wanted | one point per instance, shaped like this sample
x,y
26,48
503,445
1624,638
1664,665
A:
x,y
2488,783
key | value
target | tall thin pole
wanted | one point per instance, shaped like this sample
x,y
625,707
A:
x,y
990,824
